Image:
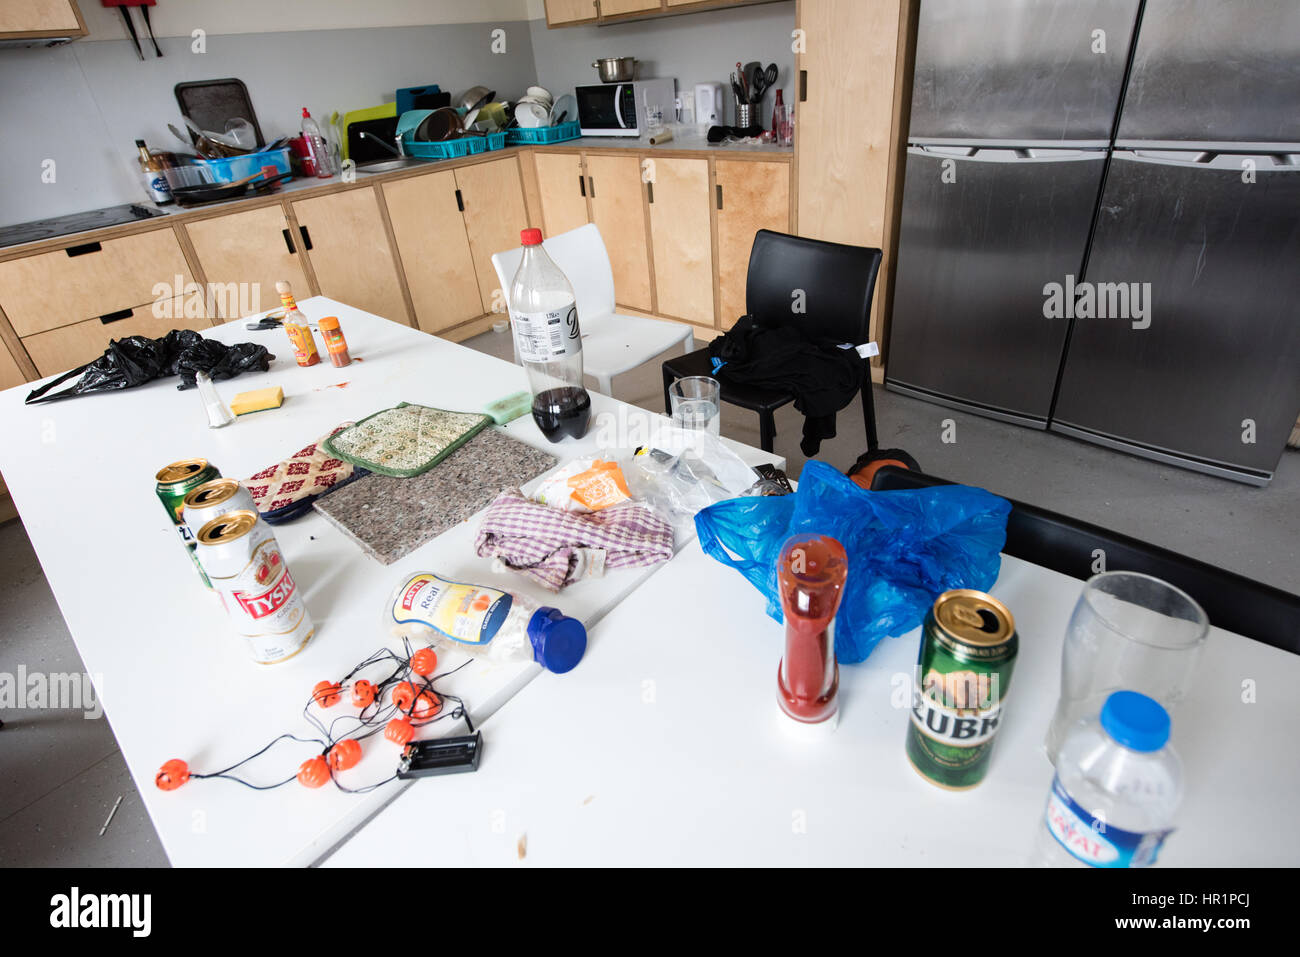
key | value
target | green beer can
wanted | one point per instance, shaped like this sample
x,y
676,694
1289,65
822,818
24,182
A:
x,y
968,650
174,482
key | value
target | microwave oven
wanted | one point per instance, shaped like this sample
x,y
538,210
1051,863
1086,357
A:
x,y
618,109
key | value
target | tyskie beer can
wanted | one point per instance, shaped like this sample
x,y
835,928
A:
x,y
968,651
173,483
214,498
240,554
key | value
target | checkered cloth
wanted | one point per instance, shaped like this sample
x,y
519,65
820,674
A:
x,y
556,548
287,489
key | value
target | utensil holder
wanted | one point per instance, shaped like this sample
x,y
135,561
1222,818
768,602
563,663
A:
x,y
744,115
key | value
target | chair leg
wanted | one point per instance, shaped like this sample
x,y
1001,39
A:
x,y
766,430
606,384
869,409
669,379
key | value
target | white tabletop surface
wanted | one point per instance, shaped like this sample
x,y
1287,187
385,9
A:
x,y
173,677
666,747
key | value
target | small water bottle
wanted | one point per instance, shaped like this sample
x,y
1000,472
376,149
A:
x,y
548,341
1118,784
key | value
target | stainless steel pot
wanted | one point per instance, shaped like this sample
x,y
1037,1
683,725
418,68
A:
x,y
615,69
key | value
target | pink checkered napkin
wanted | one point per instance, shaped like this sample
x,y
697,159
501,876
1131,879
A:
x,y
554,548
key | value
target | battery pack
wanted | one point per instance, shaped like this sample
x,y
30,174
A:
x,y
423,759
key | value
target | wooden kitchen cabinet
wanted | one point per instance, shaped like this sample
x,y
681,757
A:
x,y
347,244
492,194
748,196
681,235
254,247
37,18
617,8
571,11
434,250
618,209
562,188
67,347
11,373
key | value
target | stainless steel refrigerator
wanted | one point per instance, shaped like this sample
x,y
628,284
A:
x,y
1201,201
1014,105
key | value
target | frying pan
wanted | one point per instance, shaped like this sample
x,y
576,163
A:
x,y
214,192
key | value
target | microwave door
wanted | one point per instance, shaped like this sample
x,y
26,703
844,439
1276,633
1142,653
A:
x,y
618,106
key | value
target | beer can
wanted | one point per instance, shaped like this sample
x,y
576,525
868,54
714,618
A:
x,y
212,499
173,483
968,651
240,554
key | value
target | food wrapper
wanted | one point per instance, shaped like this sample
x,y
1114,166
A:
x,y
584,485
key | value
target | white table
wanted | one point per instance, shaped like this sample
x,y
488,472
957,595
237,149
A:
x,y
666,747
174,679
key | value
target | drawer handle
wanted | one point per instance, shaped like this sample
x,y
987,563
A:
x,y
591,187
582,184
460,201
306,238
83,249
650,191
118,316
719,188
803,86
288,241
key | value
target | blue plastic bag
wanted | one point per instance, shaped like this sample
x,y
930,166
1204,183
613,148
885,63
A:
x,y
904,548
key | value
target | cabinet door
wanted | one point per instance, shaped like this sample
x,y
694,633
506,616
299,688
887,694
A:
x,y
570,11
434,250
248,253
749,196
11,373
563,191
347,244
493,196
618,210
39,16
682,236
614,8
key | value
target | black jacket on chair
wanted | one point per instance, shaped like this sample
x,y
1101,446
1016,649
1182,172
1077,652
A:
x,y
822,378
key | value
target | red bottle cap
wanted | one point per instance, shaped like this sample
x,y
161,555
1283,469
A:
x,y
304,112
531,237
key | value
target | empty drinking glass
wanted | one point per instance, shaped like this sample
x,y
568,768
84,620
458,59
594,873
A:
x,y
696,404
1129,632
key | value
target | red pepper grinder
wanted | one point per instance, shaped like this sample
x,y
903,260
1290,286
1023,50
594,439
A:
x,y
810,574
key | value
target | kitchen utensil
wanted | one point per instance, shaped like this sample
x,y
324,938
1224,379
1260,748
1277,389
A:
x,y
565,106
541,94
440,125
752,69
615,69
744,83
210,103
124,7
474,98
744,115
530,116
215,192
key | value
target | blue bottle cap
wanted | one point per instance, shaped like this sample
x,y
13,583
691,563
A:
x,y
1135,721
558,641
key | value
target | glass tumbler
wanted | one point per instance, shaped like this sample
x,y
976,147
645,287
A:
x,y
1129,632
696,402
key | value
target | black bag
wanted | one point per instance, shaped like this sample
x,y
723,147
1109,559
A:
x,y
135,360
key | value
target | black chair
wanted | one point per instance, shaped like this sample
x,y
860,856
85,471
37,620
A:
x,y
1232,602
837,284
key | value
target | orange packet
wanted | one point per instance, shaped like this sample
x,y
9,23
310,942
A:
x,y
600,486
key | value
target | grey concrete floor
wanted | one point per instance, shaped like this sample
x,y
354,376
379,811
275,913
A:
x,y
62,773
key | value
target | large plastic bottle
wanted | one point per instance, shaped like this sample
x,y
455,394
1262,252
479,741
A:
x,y
316,146
1118,784
485,622
548,341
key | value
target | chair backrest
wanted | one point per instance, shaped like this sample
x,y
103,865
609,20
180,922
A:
x,y
580,254
1067,545
836,282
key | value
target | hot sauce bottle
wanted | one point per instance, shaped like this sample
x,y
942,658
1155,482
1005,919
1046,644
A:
x,y
810,576
296,327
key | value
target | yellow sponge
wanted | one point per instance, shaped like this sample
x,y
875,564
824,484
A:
x,y
257,400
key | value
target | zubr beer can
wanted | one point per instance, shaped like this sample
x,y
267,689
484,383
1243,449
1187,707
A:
x,y
176,481
239,552
212,499
968,650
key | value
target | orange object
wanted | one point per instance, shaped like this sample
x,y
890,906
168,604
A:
x,y
404,696
335,344
399,731
326,693
600,486
172,775
424,662
313,772
345,754
296,328
810,574
363,693
427,704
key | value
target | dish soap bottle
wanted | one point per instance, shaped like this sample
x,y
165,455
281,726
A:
x,y
316,148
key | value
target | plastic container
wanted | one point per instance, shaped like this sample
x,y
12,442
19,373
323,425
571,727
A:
x,y
1118,785
335,343
487,623
548,341
447,149
193,175
316,146
239,167
544,134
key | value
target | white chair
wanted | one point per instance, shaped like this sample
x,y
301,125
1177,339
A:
x,y
611,344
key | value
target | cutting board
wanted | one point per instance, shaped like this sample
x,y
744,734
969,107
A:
x,y
391,517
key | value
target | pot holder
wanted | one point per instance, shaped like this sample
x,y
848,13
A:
x,y
287,489
405,440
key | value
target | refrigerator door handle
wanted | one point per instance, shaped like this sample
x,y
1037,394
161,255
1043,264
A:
x,y
1207,159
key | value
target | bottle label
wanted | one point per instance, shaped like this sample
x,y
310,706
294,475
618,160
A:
x,y
547,336
470,614
1095,842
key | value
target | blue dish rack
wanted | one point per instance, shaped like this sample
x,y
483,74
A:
x,y
453,149
544,135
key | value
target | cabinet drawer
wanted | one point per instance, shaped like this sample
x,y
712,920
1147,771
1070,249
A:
x,y
70,346
58,289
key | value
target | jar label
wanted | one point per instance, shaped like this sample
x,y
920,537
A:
x,y
547,336
470,614
1095,842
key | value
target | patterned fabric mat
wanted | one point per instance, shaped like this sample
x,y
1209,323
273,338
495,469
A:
x,y
391,517
406,440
